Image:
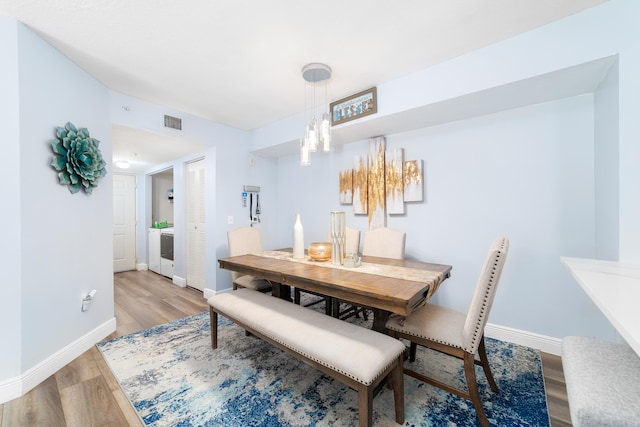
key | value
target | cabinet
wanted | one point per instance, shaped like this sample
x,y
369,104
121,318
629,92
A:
x,y
166,267
154,250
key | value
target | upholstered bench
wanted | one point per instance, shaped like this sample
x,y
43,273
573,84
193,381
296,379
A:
x,y
356,356
603,382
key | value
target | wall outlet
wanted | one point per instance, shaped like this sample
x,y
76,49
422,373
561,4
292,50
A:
x,y
230,219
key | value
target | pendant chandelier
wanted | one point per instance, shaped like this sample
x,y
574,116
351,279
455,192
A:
x,y
318,129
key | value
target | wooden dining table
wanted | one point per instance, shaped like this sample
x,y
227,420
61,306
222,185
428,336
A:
x,y
383,285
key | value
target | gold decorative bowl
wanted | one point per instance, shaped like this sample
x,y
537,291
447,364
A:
x,y
319,251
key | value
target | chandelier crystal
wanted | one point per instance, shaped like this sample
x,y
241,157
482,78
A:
x,y
318,129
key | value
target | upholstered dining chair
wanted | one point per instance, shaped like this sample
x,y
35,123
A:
x,y
352,245
242,241
381,242
457,334
384,242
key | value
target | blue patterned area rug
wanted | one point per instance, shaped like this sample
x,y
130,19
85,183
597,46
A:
x,y
174,378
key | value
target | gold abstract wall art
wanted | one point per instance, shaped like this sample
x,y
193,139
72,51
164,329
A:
x,y
360,184
346,187
375,183
394,185
413,178
381,182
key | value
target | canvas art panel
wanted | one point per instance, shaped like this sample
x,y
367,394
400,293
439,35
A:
x,y
376,181
346,187
360,184
394,185
413,180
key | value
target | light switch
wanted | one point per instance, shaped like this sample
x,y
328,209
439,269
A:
x,y
230,219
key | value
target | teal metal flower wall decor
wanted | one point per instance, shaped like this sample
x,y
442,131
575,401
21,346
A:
x,y
77,159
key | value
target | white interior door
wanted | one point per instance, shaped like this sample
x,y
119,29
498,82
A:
x,y
124,223
195,200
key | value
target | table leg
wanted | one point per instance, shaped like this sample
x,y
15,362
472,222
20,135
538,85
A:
x,y
380,318
328,307
281,291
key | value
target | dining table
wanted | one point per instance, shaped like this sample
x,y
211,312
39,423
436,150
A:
x,y
385,286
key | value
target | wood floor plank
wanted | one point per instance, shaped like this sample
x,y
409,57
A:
x,y
81,369
106,372
91,403
552,366
41,407
188,305
130,414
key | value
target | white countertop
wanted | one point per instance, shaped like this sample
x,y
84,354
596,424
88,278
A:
x,y
165,230
615,289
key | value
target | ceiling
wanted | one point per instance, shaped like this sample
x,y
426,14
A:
x,y
144,150
238,62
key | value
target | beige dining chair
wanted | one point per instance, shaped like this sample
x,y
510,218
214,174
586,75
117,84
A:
x,y
242,241
352,245
457,334
382,242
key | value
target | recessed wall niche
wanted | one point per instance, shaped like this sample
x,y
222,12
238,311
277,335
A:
x,y
162,197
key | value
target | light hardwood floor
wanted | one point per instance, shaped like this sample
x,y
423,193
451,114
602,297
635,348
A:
x,y
85,394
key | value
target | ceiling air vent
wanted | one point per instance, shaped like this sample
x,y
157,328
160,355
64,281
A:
x,y
172,122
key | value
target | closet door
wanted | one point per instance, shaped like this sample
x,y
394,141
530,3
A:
x,y
124,223
195,201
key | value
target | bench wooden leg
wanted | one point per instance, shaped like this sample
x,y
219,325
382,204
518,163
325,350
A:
x,y
213,316
396,380
365,405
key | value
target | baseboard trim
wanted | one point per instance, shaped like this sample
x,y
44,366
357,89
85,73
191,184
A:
x,y
541,342
180,281
10,389
142,266
18,386
208,293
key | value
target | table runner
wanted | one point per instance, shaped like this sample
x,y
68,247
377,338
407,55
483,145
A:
x,y
432,278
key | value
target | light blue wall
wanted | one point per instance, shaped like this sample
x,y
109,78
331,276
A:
x,y
11,249
65,243
607,171
527,174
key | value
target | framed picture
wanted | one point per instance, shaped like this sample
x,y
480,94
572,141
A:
x,y
354,107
